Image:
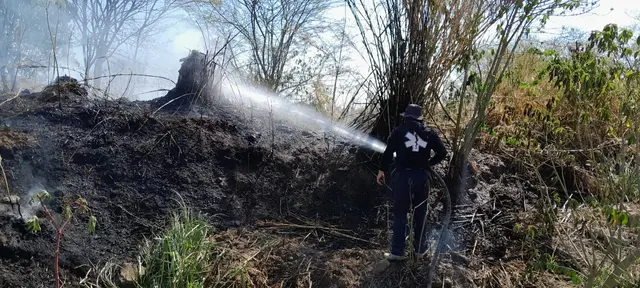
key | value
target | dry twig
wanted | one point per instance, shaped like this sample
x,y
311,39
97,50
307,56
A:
x,y
329,230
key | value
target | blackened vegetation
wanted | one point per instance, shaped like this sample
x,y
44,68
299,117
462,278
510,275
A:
x,y
131,165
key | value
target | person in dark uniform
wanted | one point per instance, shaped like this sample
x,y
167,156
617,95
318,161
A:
x,y
412,143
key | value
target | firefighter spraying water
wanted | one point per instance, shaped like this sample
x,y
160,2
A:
x,y
412,143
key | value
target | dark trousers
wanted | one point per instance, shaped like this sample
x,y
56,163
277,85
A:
x,y
410,190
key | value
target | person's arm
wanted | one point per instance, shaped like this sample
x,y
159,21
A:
x,y
438,147
387,156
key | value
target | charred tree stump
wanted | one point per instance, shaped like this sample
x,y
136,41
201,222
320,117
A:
x,y
198,84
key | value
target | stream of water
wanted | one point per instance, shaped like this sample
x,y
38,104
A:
x,y
299,115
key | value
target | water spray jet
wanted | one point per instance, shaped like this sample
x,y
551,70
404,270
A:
x,y
286,108
300,115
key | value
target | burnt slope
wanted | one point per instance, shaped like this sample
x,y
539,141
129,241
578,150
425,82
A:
x,y
131,166
133,162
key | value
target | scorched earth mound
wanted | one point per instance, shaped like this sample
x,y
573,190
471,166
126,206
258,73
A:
x,y
257,180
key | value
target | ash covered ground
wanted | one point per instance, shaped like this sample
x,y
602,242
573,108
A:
x,y
256,179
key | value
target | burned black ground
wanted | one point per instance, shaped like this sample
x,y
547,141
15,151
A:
x,y
134,163
133,166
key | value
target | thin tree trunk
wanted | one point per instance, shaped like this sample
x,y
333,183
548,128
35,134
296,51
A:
x,y
97,71
3,77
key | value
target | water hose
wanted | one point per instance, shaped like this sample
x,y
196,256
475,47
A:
x,y
435,260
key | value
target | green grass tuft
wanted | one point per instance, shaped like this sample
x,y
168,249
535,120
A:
x,y
181,257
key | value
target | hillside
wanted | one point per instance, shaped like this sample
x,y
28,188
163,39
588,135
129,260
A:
x,y
290,207
131,165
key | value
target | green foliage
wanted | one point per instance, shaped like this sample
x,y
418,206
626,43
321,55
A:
x,y
548,263
514,22
592,73
179,257
615,216
34,224
185,256
620,181
598,76
588,102
42,196
80,206
592,76
92,223
591,114
68,210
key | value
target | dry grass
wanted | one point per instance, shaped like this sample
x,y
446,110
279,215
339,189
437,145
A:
x,y
582,238
277,258
510,274
62,91
280,258
594,244
513,96
533,109
14,139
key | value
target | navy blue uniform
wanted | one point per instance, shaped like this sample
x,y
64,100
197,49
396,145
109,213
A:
x,y
412,143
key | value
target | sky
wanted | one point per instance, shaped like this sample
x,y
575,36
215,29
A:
x,y
176,39
620,12
160,57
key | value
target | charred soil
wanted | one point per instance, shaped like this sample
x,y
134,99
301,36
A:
x,y
294,202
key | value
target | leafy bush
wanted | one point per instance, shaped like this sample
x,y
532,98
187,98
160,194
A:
x,y
578,114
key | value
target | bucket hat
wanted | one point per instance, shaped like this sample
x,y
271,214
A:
x,y
413,111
